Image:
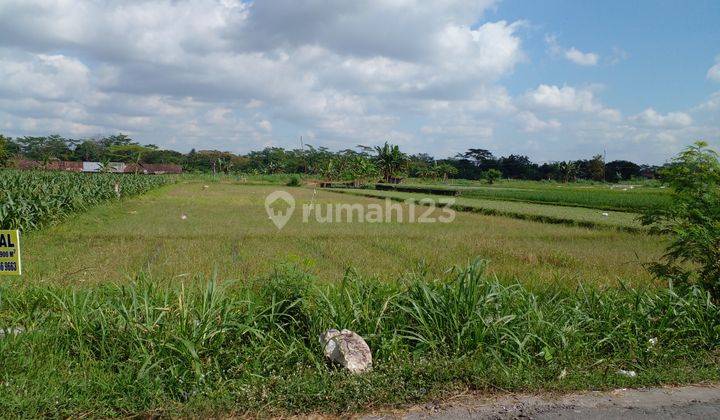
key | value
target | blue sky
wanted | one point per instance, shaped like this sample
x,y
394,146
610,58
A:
x,y
553,80
670,46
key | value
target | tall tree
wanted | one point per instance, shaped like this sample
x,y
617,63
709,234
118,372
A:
x,y
517,166
482,158
596,168
619,170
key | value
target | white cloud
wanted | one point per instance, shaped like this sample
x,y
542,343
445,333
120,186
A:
x,y
652,118
43,76
580,58
531,123
569,99
308,65
238,75
572,54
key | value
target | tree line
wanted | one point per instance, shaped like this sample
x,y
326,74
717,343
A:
x,y
360,164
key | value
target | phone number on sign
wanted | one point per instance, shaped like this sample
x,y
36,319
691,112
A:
x,y
8,266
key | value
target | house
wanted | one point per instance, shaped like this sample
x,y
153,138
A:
x,y
96,167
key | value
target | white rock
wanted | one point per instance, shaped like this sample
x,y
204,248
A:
x,y
606,214
11,331
347,349
628,373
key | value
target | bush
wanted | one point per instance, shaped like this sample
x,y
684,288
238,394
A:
x,y
294,181
692,220
492,175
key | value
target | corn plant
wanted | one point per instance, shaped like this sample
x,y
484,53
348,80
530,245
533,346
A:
x,y
30,199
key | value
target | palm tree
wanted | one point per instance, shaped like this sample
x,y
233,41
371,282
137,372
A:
x,y
390,160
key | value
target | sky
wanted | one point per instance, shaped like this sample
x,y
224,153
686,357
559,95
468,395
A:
x,y
553,80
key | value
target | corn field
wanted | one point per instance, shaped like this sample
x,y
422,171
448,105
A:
x,y
29,199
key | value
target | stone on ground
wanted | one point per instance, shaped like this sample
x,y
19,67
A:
x,y
347,349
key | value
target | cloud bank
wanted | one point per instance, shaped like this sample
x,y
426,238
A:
x,y
237,76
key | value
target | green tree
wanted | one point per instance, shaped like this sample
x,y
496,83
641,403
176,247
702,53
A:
x,y
568,171
692,221
492,175
482,158
119,139
596,168
45,149
89,150
446,170
4,150
390,160
618,170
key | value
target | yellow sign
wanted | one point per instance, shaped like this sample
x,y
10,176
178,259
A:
x,y
10,253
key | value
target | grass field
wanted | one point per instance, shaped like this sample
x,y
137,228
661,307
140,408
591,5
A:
x,y
600,196
579,216
227,230
188,301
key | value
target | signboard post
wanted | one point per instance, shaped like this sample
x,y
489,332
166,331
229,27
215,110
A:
x,y
10,253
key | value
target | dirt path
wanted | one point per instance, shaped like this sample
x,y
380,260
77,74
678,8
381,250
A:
x,y
627,404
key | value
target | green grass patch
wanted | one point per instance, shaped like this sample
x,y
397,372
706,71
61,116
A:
x,y
150,348
227,230
632,198
573,216
242,179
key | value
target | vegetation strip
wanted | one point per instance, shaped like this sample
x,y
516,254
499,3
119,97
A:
x,y
253,346
595,197
533,212
30,199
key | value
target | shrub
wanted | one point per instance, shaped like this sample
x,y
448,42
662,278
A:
x,y
294,181
692,220
492,175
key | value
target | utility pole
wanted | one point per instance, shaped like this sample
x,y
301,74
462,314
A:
x,y
604,160
304,158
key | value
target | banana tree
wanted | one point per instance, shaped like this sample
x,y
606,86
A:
x,y
390,160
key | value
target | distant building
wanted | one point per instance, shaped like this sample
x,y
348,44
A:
x,y
95,167
113,167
